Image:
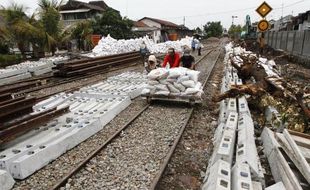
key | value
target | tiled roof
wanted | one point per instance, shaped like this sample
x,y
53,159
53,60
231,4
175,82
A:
x,y
139,24
162,22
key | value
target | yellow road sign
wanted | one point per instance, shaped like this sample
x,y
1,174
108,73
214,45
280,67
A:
x,y
264,9
263,25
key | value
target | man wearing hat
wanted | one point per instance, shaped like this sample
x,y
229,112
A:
x,y
187,60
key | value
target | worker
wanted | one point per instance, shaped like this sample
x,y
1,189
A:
x,y
187,60
151,64
143,51
261,42
173,58
198,47
193,44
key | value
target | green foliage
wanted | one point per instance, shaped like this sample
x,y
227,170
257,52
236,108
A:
x,y
50,19
235,30
111,22
213,29
82,32
4,48
6,60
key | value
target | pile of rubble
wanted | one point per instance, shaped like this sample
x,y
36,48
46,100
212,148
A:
x,y
110,46
90,109
262,80
240,145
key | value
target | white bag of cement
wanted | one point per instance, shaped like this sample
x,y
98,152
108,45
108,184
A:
x,y
163,81
153,82
164,93
161,87
190,91
179,86
189,84
198,86
159,73
175,94
193,75
183,78
177,72
173,89
150,87
171,80
145,91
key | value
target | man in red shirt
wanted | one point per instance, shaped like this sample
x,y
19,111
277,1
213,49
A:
x,y
172,58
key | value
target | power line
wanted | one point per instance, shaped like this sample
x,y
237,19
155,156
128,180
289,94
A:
x,y
235,10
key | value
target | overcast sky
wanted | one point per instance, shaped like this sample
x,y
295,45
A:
x,y
196,12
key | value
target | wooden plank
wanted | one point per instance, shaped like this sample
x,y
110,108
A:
x,y
295,155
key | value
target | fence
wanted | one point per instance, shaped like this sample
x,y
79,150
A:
x,y
294,42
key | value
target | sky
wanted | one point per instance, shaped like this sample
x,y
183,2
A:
x,y
194,13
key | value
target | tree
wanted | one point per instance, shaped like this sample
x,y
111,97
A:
x,y
21,31
213,29
111,22
50,18
82,31
235,30
198,30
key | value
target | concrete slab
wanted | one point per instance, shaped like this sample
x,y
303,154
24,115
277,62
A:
x,y
41,71
11,79
241,177
6,180
218,177
11,72
277,186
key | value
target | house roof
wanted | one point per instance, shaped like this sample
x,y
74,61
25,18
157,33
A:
x,y
139,24
101,4
73,4
162,22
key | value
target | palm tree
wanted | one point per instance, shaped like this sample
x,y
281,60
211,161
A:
x,y
21,31
50,19
82,31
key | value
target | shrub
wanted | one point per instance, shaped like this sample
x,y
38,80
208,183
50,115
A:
x,y
6,60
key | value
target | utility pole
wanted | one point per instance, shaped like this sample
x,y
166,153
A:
x,y
184,21
233,17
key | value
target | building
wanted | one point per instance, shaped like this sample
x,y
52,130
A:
x,y
74,11
302,21
166,30
283,24
144,30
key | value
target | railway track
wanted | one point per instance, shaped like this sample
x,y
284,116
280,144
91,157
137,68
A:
x,y
144,113
69,72
17,100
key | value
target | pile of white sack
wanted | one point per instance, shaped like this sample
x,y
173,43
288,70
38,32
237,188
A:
x,y
179,82
110,46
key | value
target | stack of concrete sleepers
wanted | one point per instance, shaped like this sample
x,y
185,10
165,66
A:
x,y
8,76
234,163
89,113
126,84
